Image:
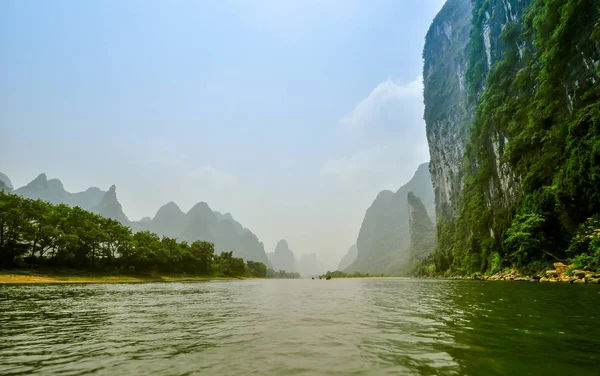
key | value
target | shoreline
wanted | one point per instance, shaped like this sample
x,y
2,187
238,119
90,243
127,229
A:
x,y
16,278
560,274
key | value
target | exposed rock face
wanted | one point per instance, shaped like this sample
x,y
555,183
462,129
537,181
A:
x,y
383,244
110,207
283,258
348,258
6,181
54,192
445,93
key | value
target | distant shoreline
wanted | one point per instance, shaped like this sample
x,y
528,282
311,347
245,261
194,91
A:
x,y
9,277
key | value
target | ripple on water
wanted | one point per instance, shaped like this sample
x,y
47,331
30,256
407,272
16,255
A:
x,y
300,327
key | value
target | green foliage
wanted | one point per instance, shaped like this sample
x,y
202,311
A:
x,y
422,231
495,262
282,274
524,238
256,269
340,274
36,234
532,163
585,245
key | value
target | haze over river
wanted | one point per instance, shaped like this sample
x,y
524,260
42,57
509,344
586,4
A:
x,y
301,327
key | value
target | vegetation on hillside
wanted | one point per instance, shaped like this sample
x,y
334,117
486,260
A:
x,y
539,201
340,274
37,234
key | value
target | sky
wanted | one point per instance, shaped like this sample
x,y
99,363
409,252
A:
x,y
291,115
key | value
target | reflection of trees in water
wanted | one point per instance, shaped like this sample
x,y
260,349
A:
x,y
406,326
520,328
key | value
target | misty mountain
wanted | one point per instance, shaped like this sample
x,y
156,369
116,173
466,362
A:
x,y
110,207
422,230
348,258
54,192
4,187
200,223
383,243
308,266
283,258
6,181
168,221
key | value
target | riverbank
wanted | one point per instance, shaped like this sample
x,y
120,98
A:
x,y
560,274
34,277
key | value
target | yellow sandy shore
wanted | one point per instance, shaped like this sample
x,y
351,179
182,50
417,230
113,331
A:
x,y
42,278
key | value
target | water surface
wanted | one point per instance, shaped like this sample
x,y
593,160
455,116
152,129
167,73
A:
x,y
301,327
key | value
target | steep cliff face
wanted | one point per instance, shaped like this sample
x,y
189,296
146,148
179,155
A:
x,y
447,112
383,243
283,258
110,207
529,164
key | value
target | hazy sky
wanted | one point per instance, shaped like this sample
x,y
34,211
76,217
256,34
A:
x,y
291,115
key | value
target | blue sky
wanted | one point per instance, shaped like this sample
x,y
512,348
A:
x,y
291,115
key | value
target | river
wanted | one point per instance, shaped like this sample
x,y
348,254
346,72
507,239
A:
x,y
301,327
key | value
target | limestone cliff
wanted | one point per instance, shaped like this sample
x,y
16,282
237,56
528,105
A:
x,y
283,258
514,140
383,243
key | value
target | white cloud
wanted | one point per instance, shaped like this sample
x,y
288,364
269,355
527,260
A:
x,y
385,93
357,165
383,137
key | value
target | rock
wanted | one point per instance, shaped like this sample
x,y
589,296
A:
x,y
552,280
551,273
596,275
543,279
580,281
579,274
589,275
560,267
594,281
537,277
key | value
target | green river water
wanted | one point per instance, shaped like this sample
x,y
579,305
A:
x,y
301,327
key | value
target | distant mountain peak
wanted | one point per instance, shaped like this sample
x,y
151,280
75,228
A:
x,y
6,181
283,257
282,244
168,211
200,208
110,206
56,184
